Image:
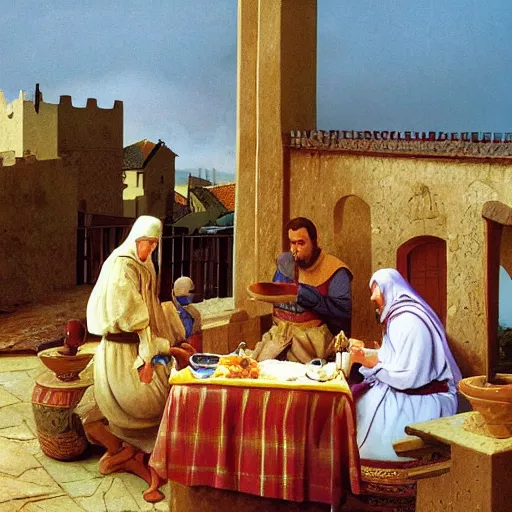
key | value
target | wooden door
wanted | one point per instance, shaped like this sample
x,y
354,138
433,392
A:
x,y
426,272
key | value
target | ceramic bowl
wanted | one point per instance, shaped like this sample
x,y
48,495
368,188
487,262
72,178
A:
x,y
275,293
66,368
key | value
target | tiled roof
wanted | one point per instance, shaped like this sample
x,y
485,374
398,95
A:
x,y
139,154
178,198
208,200
225,194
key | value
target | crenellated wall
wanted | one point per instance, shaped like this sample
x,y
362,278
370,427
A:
x,y
89,127
37,228
92,138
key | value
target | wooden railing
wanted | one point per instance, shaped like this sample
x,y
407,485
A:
x,y
206,259
94,245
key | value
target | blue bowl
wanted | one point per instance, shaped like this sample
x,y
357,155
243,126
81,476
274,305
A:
x,y
202,360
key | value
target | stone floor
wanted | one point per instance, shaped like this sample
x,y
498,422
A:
x,y
31,481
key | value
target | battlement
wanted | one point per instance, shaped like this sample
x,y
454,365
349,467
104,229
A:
x,y
408,143
9,160
3,101
65,101
92,103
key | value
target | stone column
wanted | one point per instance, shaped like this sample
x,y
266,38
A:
x,y
276,93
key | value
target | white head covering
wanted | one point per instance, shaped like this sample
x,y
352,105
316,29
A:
x,y
98,321
183,286
395,289
144,227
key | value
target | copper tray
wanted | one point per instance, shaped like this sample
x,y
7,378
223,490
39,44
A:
x,y
273,292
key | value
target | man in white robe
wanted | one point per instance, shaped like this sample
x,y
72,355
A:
x,y
123,410
412,377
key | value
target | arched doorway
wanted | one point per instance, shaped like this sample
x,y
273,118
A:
x,y
353,242
422,261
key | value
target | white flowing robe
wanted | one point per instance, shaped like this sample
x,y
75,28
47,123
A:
x,y
411,356
125,300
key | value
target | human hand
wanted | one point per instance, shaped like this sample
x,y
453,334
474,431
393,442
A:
x,y
354,342
357,354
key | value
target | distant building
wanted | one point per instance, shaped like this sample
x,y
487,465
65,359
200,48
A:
x,y
149,176
225,194
180,206
202,199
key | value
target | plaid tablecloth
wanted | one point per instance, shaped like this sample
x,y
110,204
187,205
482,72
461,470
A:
x,y
296,445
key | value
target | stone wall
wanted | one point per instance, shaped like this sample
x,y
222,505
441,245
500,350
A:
x,y
11,125
399,199
40,130
92,138
37,229
159,177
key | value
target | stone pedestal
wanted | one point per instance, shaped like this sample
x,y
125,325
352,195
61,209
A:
x,y
479,478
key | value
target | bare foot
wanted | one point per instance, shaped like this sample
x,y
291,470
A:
x,y
110,463
138,466
153,495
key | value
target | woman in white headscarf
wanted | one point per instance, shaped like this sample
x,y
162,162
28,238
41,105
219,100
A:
x,y
129,392
412,377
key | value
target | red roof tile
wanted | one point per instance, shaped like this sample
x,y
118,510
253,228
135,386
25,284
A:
x,y
225,194
178,198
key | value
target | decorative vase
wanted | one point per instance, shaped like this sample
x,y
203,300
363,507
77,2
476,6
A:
x,y
55,396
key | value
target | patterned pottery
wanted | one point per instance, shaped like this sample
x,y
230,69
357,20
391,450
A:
x,y
492,401
59,429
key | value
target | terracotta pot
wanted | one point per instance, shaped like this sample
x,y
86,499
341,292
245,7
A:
x,y
492,401
274,292
66,368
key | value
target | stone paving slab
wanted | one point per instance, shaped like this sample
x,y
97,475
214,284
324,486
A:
x,y
17,363
54,504
68,471
19,384
7,399
14,489
18,433
14,460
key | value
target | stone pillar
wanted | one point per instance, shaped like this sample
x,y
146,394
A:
x,y
276,93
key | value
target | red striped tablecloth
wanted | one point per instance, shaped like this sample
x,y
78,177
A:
x,y
296,445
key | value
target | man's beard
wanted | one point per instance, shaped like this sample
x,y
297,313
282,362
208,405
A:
x,y
309,263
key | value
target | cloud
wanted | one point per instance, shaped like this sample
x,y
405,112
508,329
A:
x,y
436,65
183,116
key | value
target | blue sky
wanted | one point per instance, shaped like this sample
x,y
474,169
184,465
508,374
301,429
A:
x,y
400,64
395,65
505,300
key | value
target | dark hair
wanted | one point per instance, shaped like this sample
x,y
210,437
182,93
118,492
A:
x,y
302,222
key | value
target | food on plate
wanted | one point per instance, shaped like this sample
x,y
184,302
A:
x,y
237,367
